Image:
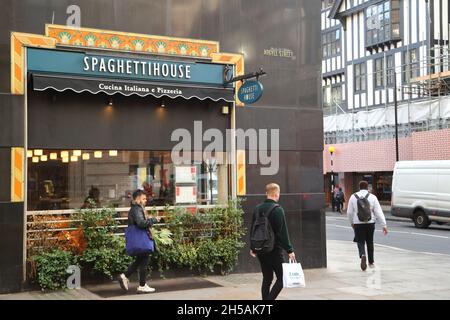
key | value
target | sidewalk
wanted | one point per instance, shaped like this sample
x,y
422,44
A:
x,y
399,274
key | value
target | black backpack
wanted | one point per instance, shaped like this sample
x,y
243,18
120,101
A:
x,y
364,212
262,237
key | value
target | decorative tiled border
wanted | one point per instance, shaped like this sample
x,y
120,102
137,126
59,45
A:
x,y
18,43
113,40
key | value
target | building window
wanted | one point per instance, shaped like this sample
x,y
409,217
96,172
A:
x,y
332,95
410,69
327,4
383,22
331,43
336,94
360,77
379,73
390,76
68,179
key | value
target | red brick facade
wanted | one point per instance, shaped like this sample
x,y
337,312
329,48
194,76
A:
x,y
375,156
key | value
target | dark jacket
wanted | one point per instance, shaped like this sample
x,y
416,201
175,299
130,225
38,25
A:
x,y
278,223
136,216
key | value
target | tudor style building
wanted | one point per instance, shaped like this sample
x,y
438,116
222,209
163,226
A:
x,y
369,48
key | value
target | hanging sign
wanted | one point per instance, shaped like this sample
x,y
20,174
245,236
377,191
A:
x,y
250,92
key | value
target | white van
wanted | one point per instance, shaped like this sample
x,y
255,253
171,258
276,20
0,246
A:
x,y
421,191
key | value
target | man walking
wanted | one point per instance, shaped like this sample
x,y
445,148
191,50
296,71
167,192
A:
x,y
363,211
271,256
340,199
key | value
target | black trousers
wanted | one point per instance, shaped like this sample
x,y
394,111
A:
x,y
140,263
364,236
270,263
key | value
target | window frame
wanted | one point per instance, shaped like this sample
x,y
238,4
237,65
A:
x,y
378,75
360,80
389,20
331,43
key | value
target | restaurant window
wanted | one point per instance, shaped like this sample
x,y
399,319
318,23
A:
x,y
70,179
331,43
360,77
383,22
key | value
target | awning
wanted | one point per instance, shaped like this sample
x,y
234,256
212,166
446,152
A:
x,y
43,82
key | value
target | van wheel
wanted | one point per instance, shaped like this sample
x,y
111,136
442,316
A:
x,y
421,219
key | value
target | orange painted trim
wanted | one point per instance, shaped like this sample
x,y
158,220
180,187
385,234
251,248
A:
x,y
17,174
241,173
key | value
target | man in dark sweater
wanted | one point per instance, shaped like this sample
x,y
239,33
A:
x,y
273,261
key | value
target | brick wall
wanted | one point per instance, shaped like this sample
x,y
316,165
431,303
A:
x,y
431,145
372,156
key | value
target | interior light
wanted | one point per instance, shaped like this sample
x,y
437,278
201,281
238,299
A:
x,y
77,153
53,156
65,159
35,159
86,156
225,110
110,103
113,153
64,154
38,152
74,158
29,153
44,158
97,154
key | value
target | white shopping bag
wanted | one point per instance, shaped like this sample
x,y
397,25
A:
x,y
293,276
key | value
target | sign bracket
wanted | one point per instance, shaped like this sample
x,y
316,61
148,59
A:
x,y
247,76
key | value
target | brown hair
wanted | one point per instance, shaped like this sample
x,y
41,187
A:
x,y
363,185
272,189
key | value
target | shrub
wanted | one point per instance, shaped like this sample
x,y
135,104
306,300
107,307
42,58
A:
x,y
105,252
51,268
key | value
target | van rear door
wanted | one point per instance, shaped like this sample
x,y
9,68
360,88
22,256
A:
x,y
442,212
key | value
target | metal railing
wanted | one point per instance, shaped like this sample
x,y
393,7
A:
x,y
57,221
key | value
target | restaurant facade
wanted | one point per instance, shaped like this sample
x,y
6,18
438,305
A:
x,y
94,105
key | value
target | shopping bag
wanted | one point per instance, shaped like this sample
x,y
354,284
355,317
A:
x,y
293,276
137,241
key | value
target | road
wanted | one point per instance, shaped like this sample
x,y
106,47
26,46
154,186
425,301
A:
x,y
402,235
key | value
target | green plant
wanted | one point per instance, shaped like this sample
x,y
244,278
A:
x,y
105,251
202,241
51,268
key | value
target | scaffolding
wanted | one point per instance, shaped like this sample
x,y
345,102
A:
x,y
425,86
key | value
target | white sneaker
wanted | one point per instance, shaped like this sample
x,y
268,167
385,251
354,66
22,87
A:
x,y
145,289
123,281
371,265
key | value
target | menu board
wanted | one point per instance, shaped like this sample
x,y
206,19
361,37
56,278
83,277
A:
x,y
186,174
186,195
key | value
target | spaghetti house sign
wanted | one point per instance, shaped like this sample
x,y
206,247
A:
x,y
79,71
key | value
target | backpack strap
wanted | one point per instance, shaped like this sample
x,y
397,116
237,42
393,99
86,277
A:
x,y
273,207
356,196
367,196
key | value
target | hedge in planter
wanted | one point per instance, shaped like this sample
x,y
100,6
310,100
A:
x,y
204,241
105,252
51,268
